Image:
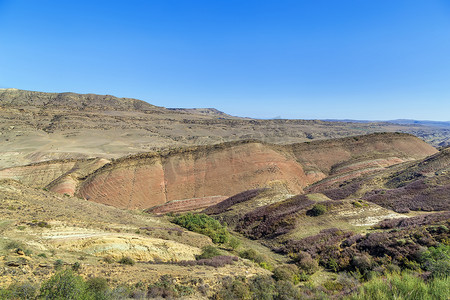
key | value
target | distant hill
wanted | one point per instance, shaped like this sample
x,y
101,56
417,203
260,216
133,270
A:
x,y
21,98
202,111
441,124
38,126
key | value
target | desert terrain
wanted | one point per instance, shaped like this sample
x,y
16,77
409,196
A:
x,y
197,204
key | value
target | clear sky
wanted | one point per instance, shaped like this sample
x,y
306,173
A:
x,y
317,59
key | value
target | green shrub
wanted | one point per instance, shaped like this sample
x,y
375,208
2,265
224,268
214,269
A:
x,y
234,243
204,224
362,262
266,265
24,290
252,255
42,255
108,259
256,257
234,289
317,210
285,290
286,272
403,286
305,262
76,266
208,252
333,285
357,204
98,287
166,287
65,285
43,224
58,264
13,245
262,287
437,260
126,260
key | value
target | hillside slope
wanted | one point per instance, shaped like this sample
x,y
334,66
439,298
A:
x,y
38,126
146,180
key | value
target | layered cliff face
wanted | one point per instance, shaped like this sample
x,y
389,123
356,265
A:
x,y
150,179
143,181
38,175
69,181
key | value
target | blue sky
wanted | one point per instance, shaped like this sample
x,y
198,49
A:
x,y
317,59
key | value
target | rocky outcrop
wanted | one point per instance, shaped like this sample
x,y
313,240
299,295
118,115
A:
x,y
22,98
147,180
69,181
40,174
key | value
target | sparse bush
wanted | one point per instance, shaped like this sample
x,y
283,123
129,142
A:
x,y
285,290
43,224
58,264
24,290
317,210
208,252
413,221
256,257
437,260
65,285
262,287
404,286
266,265
286,272
357,204
13,245
234,243
108,259
306,262
216,261
234,289
42,255
344,190
98,286
362,262
204,224
416,196
76,266
126,260
166,287
252,255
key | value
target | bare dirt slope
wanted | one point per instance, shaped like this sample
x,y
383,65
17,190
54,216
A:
x,y
48,227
